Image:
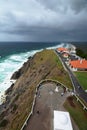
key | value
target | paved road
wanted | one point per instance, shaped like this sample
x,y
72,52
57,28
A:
x,y
77,87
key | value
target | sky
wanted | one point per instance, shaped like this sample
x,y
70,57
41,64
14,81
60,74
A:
x,y
43,20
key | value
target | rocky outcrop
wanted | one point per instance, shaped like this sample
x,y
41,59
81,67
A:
x,y
9,89
16,75
20,95
23,69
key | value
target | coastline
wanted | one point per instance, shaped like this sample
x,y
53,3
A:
x,y
20,95
43,65
7,84
8,81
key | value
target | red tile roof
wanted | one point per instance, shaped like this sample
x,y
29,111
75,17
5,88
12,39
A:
x,y
82,64
62,49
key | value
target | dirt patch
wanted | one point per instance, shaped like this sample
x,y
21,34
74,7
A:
x,y
47,101
41,119
71,102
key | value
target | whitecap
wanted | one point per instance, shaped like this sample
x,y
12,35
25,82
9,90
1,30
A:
x,y
12,63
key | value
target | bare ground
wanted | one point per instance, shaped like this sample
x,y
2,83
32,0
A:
x,y
47,100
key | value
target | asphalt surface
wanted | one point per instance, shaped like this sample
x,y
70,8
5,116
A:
x,y
77,87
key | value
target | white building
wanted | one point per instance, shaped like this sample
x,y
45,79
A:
x,y
62,121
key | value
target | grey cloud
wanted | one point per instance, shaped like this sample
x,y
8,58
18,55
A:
x,y
44,20
64,5
55,5
49,34
78,5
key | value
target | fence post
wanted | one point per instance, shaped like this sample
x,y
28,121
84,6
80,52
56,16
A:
x,y
40,83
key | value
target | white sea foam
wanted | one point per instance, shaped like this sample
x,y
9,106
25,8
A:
x,y
66,45
11,64
8,67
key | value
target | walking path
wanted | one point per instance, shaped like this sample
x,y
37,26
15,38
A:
x,y
47,100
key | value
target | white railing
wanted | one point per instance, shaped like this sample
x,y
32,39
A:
x,y
33,104
80,101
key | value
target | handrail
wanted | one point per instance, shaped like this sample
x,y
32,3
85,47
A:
x,y
33,104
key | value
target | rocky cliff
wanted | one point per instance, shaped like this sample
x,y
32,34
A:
x,y
20,95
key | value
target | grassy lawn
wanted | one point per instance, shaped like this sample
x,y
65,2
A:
x,y
77,113
82,78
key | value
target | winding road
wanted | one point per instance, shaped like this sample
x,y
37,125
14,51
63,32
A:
x,y
77,87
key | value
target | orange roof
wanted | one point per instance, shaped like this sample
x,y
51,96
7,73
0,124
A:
x,y
82,64
62,49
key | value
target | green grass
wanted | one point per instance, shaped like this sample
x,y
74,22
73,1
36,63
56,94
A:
x,y
52,69
50,59
82,78
77,113
44,65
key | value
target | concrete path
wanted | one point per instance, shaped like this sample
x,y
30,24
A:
x,y
47,100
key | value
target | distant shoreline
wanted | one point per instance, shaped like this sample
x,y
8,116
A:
x,y
50,48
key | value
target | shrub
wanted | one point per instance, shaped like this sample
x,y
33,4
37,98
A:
x,y
14,107
3,123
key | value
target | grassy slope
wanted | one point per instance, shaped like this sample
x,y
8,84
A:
x,y
58,72
77,113
52,61
44,65
82,78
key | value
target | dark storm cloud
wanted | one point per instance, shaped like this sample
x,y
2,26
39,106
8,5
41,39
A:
x,y
79,5
47,20
63,5
50,34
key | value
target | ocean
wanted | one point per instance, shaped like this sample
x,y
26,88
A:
x,y
14,54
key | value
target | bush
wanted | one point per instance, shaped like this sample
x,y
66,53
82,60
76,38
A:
x,y
81,53
41,58
70,100
3,123
14,107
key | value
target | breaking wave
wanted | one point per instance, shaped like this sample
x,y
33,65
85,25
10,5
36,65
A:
x,y
13,62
